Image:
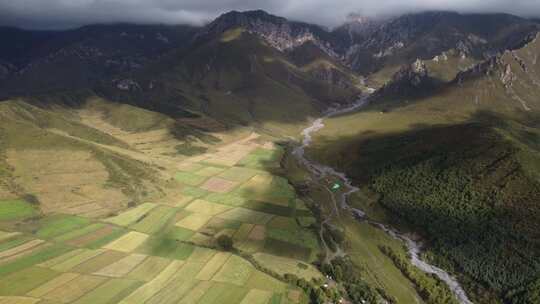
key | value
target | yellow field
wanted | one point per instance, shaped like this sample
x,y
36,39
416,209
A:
x,y
256,296
74,289
213,266
83,256
149,269
194,221
18,300
128,242
122,267
203,207
129,217
235,271
196,293
53,284
145,292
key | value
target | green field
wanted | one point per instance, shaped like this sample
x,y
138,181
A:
x,y
148,253
16,210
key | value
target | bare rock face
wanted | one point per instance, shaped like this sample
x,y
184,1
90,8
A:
x,y
278,32
413,74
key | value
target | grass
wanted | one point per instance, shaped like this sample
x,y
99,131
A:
x,y
75,289
173,292
223,293
83,256
211,268
190,179
52,284
255,296
149,268
378,268
20,282
155,220
194,221
57,225
115,234
179,233
210,171
16,210
99,262
127,242
262,159
267,188
300,237
246,216
286,249
235,271
163,246
283,265
146,291
262,281
204,207
238,174
194,192
131,216
122,267
32,259
79,232
109,292
13,243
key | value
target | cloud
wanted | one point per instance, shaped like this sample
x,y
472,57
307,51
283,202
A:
x,y
72,13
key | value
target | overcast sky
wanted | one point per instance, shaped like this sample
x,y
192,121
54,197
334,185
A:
x,y
49,14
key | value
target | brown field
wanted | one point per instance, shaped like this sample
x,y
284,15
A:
x,y
149,268
71,182
96,263
53,284
216,184
75,289
258,233
88,238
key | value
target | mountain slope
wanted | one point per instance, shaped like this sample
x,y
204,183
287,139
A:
x,y
459,165
237,79
42,62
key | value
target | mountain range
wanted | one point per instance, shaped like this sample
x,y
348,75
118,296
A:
x,y
447,146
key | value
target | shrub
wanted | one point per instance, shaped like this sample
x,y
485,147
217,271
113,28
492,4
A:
x,y
225,242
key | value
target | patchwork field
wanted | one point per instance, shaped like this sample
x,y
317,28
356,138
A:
x,y
166,251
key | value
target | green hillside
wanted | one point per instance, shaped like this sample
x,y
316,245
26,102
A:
x,y
460,167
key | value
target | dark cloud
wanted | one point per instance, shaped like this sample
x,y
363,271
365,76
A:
x,y
72,13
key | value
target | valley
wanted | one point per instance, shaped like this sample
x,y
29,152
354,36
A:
x,y
256,159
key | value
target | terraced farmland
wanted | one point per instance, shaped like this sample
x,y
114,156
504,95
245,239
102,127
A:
x,y
167,251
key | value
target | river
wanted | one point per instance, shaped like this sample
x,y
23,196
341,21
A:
x,y
341,201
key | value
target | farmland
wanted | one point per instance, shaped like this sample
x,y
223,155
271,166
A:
x,y
166,251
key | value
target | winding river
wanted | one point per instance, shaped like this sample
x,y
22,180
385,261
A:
x,y
341,199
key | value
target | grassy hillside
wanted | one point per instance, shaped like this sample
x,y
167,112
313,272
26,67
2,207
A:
x,y
236,79
460,166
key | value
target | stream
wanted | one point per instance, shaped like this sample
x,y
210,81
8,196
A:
x,y
340,200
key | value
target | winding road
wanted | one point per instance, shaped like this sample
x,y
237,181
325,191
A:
x,y
340,201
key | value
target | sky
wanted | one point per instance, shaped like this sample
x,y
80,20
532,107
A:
x,y
59,14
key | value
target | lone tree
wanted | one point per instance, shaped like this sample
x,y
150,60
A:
x,y
224,241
